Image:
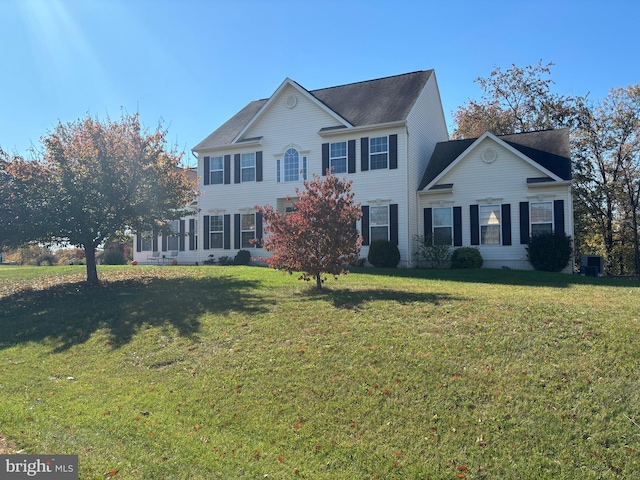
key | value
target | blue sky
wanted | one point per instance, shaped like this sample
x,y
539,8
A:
x,y
194,63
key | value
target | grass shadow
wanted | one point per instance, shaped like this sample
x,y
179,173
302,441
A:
x,y
500,276
68,314
346,298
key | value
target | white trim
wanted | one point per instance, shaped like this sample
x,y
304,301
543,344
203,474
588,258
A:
x,y
561,183
362,128
231,146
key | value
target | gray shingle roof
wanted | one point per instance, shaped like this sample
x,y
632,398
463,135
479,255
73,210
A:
x,y
549,148
370,102
383,100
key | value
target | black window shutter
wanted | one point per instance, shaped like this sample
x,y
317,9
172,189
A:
x,y
524,223
207,236
206,175
325,158
258,166
474,224
393,223
227,169
351,156
164,242
457,226
506,224
258,230
236,168
428,223
393,151
365,225
236,240
155,243
182,239
192,234
227,232
139,242
364,154
558,216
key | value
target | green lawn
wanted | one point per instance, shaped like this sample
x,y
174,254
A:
x,y
243,372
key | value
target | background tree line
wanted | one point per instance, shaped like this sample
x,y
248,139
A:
x,y
605,140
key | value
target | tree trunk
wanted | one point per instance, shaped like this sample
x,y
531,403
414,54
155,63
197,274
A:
x,y
92,272
318,282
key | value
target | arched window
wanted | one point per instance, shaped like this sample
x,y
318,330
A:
x,y
293,167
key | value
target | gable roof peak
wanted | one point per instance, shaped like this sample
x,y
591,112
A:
x,y
549,149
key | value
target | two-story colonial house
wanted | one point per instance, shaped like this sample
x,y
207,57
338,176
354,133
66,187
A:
x,y
388,136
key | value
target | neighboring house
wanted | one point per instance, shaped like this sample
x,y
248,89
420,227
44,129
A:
x,y
494,193
389,137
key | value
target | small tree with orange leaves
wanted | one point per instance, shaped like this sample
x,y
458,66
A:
x,y
319,236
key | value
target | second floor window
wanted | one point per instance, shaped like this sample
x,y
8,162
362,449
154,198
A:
x,y
338,157
292,167
248,167
378,153
217,170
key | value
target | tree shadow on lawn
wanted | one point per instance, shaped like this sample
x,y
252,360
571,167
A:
x,y
504,276
68,314
348,299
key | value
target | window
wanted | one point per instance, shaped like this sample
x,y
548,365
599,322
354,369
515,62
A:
x,y
248,167
378,153
217,170
290,168
490,224
247,229
379,222
173,238
193,234
338,157
216,231
442,226
541,218
146,241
